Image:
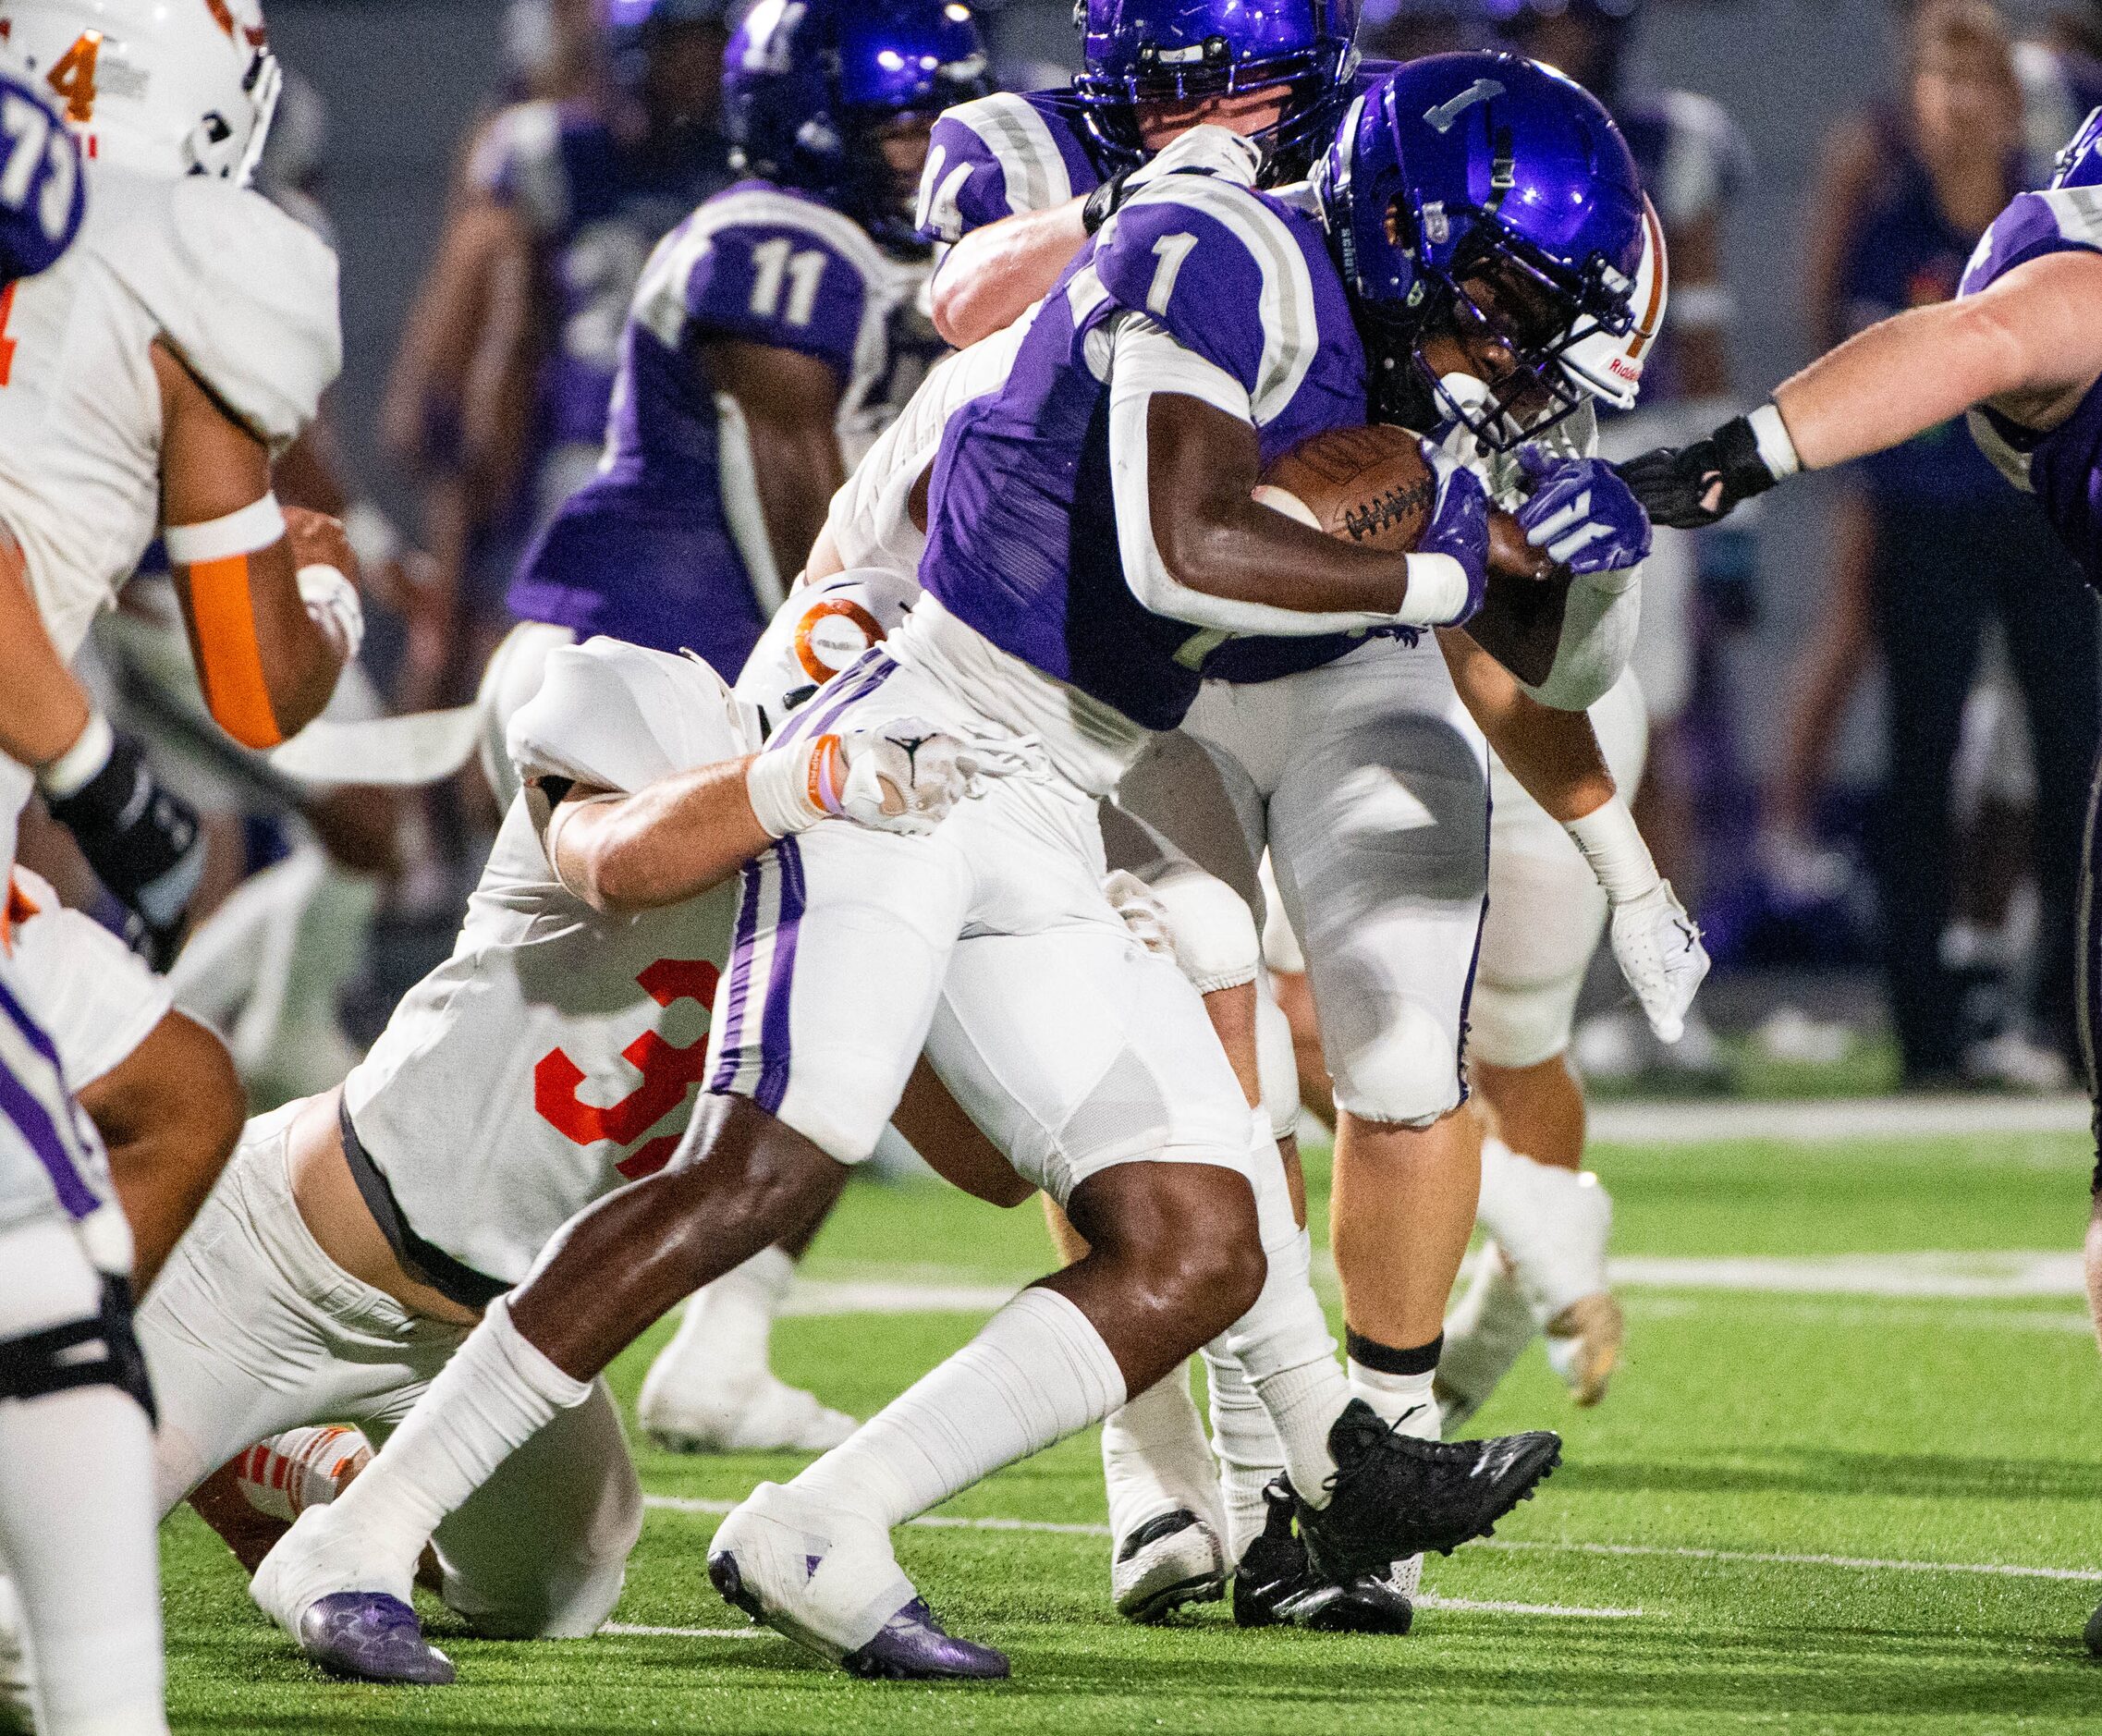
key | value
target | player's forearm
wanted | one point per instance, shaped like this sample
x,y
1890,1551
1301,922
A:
x,y
43,708
993,275
668,842
269,664
1554,754
798,472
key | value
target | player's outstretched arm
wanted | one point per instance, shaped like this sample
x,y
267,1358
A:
x,y
44,711
1554,754
667,842
2029,345
272,614
994,276
790,404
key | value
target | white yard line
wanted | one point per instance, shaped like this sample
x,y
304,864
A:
x,y
1835,1119
1999,1570
638,1631
1472,1606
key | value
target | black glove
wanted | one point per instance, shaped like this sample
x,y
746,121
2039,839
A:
x,y
1101,205
141,839
1689,487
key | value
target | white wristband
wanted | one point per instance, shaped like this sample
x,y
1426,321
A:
x,y
332,600
778,786
1437,592
79,766
1777,448
255,526
1612,844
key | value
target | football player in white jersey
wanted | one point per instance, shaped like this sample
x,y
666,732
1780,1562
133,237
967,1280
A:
x,y
151,377
360,1233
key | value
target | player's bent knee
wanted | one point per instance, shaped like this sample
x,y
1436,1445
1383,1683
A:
x,y
1276,1066
1408,1076
1216,942
1515,1025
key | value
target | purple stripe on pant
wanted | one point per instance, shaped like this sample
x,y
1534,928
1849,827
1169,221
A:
x,y
737,994
774,1031
53,1148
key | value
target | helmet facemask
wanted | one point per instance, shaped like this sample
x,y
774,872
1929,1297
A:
x,y
1307,84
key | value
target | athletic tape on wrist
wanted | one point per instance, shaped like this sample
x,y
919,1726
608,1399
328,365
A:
x,y
255,526
79,766
1437,592
1777,448
783,787
1612,844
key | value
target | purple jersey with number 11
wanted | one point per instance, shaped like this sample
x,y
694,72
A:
x,y
1022,534
2062,466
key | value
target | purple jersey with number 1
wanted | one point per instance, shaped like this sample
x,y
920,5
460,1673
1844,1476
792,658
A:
x,y
665,546
1023,532
2063,466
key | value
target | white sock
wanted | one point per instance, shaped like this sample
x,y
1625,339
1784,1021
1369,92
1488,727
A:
x,y
85,1569
1403,1399
1154,1457
301,1468
1553,1222
1486,1332
724,1333
494,1396
1038,1372
1249,1451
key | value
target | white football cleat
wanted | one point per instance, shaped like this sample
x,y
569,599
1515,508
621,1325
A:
x,y
1172,1559
1553,1225
1583,1345
828,1581
761,1415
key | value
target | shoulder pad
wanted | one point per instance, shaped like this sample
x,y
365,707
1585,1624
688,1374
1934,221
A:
x,y
1218,268
997,156
1705,161
248,297
617,716
765,266
518,162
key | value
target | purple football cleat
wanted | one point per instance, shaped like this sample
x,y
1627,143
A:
x,y
372,1637
913,1648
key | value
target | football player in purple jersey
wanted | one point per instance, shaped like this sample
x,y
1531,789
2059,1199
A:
x,y
2019,351
1017,183
1092,537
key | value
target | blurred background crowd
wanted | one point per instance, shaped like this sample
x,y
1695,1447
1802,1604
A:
x,y
1873,706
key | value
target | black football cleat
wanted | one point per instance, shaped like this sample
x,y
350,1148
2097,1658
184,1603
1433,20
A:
x,y
1393,1496
1276,1586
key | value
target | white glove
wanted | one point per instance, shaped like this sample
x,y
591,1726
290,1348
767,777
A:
x,y
1143,915
904,775
1658,948
1213,148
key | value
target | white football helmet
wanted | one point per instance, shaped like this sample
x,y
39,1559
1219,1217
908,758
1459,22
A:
x,y
1610,365
161,87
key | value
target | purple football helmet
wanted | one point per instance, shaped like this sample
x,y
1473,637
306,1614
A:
x,y
2080,163
808,85
1461,171
1180,51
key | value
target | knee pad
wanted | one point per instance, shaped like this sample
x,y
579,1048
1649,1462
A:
x,y
1277,1064
1215,942
100,1350
1522,1024
1408,1074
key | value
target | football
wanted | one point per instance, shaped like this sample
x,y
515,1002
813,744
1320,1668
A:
x,y
1369,485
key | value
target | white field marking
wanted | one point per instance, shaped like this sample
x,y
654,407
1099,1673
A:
x,y
2032,1272
1882,1313
1838,1118
638,1631
1471,1605
1685,1552
854,1296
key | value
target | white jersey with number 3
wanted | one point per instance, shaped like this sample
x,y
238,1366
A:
x,y
242,294
555,1054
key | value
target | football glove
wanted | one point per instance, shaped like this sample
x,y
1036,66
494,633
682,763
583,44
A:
x,y
142,839
1143,915
1581,514
1689,487
1658,948
1459,528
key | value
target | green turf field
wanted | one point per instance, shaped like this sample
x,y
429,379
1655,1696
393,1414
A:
x,y
1803,1506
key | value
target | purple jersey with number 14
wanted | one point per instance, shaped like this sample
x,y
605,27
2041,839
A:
x,y
1022,534
2062,466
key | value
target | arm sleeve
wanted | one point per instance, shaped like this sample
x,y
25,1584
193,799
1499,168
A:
x,y
617,716
996,157
1147,358
1598,635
